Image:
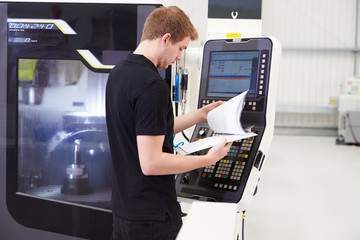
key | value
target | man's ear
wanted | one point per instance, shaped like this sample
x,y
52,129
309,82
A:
x,y
165,38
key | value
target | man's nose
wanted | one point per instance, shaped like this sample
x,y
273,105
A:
x,y
179,56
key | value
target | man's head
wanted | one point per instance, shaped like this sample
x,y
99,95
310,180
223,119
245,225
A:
x,y
167,32
170,20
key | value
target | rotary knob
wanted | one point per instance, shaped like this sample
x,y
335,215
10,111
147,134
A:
x,y
202,132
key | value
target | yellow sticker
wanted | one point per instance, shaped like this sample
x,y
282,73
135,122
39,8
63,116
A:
x,y
233,35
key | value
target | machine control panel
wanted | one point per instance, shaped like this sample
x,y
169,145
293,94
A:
x,y
226,173
230,68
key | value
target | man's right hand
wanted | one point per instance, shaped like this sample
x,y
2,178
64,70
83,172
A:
x,y
219,151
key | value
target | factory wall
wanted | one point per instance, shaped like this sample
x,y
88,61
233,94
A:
x,y
321,50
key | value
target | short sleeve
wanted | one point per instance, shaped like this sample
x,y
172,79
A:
x,y
151,109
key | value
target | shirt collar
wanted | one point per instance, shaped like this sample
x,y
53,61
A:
x,y
141,59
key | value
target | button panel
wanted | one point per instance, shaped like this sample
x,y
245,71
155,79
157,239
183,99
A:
x,y
205,102
226,173
262,74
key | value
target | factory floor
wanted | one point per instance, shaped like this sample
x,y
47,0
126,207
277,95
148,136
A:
x,y
309,190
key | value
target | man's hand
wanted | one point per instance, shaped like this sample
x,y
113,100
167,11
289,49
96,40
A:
x,y
219,151
200,115
206,109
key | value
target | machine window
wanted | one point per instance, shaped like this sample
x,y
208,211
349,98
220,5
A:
x,y
63,152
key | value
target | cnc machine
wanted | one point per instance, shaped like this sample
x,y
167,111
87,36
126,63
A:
x,y
55,158
215,196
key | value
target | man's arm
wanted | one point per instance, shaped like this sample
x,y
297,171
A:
x,y
187,120
154,161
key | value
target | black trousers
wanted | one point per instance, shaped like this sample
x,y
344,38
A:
x,y
145,230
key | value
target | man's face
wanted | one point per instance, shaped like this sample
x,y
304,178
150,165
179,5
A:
x,y
172,52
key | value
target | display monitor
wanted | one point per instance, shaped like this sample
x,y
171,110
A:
x,y
231,73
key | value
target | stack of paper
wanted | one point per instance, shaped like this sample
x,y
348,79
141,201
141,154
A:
x,y
223,120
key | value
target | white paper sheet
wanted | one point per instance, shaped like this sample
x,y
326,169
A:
x,y
224,120
210,142
226,117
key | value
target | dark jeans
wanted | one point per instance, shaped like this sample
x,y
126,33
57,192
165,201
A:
x,y
145,230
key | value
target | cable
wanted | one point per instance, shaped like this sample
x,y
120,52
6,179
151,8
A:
x,y
177,145
243,226
184,87
187,139
176,88
176,109
352,130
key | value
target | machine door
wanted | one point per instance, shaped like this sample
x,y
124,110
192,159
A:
x,y
58,158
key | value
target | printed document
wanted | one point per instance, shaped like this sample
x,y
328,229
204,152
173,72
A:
x,y
225,122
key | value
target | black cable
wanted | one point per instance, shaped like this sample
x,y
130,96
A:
x,y
176,114
243,226
176,109
352,130
187,139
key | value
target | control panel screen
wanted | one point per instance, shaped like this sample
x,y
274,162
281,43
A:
x,y
231,73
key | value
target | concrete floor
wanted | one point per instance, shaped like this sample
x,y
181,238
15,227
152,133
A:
x,y
309,190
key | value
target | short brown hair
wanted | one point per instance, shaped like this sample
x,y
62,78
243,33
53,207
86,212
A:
x,y
169,20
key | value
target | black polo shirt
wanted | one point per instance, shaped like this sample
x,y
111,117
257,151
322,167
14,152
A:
x,y
138,103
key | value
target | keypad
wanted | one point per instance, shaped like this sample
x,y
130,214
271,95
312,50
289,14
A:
x,y
226,173
237,171
223,169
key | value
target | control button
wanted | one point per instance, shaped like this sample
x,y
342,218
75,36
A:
x,y
185,179
202,132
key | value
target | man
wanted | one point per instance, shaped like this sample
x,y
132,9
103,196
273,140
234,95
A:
x,y
141,126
